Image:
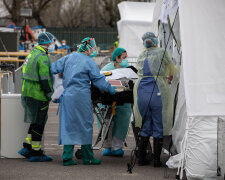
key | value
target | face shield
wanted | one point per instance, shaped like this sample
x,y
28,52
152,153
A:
x,y
91,46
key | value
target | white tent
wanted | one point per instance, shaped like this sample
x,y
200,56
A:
x,y
199,28
136,19
201,90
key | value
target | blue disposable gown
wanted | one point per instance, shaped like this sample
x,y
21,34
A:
x,y
123,113
76,115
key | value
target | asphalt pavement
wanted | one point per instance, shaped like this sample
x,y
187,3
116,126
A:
x,y
111,167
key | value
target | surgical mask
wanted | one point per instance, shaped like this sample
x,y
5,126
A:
x,y
63,44
93,54
124,63
51,48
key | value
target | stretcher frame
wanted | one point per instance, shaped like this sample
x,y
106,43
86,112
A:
x,y
105,119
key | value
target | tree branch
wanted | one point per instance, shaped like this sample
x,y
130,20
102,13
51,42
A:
x,y
7,6
43,6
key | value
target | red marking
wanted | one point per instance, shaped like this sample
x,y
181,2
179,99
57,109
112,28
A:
x,y
115,83
52,109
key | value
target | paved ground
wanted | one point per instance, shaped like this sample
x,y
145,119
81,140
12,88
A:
x,y
111,167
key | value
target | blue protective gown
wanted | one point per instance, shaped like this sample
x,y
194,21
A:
x,y
76,115
153,122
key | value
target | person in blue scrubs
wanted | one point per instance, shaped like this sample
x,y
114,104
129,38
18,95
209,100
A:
x,y
153,106
76,114
121,121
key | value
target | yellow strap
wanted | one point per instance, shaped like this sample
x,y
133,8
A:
x,y
23,86
36,132
153,76
44,108
41,48
36,145
114,108
28,139
36,148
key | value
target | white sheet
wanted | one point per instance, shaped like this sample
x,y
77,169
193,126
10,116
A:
x,y
121,73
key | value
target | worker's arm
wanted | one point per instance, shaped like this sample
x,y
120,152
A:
x,y
58,66
172,70
45,76
98,79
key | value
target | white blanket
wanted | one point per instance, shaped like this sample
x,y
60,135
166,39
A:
x,y
121,73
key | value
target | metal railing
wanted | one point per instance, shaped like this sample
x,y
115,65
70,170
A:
x,y
132,61
14,86
104,37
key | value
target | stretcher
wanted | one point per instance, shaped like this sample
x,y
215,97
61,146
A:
x,y
105,115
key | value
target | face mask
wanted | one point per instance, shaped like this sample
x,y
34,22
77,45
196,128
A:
x,y
63,44
93,54
124,63
51,48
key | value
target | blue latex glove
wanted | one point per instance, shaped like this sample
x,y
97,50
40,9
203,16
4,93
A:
x,y
112,90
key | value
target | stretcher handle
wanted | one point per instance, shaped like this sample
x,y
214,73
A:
x,y
114,108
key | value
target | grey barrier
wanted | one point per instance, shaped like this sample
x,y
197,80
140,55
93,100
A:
x,y
15,86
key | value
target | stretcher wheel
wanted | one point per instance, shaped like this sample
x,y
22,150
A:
x,y
78,154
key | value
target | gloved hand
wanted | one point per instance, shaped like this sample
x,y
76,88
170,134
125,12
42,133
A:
x,y
112,90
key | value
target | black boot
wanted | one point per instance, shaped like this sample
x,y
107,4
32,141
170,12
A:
x,y
141,154
157,145
26,145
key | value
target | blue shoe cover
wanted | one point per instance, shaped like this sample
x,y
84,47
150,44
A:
x,y
25,152
107,152
40,158
118,152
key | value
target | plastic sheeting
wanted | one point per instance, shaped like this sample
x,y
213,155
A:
x,y
136,19
200,147
203,42
221,147
180,116
164,33
169,7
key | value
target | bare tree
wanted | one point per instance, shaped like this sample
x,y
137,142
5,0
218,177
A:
x,y
37,6
108,11
67,13
71,13
13,7
78,13
51,16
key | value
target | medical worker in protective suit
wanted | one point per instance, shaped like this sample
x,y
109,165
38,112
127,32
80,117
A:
x,y
121,120
37,89
76,114
153,106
